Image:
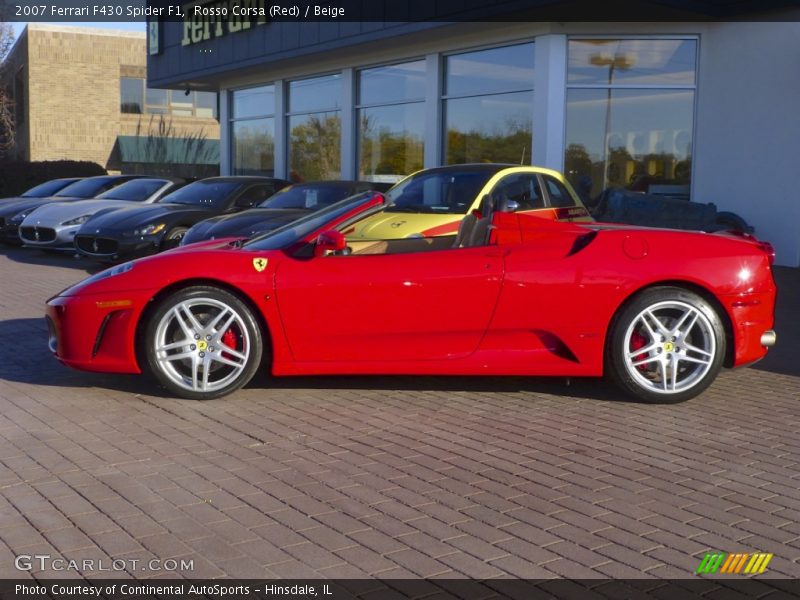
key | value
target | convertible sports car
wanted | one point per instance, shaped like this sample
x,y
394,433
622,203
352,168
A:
x,y
139,230
432,202
13,213
657,311
55,224
289,204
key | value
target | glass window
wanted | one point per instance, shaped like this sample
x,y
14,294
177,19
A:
x,y
496,128
522,188
390,143
630,115
628,138
488,105
315,128
203,193
394,83
632,62
131,92
440,191
253,102
155,97
253,131
559,196
314,146
253,145
254,195
206,104
136,190
319,93
309,196
490,71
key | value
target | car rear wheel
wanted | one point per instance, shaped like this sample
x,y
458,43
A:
x,y
202,343
173,237
666,346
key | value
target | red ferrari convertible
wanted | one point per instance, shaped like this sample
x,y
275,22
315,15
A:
x,y
657,311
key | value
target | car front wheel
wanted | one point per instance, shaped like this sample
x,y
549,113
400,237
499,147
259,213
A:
x,y
666,346
202,343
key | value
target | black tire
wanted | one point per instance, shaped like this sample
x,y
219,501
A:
x,y
685,355
173,237
212,363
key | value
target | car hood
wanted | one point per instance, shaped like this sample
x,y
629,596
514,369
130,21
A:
x,y
131,217
393,225
55,213
11,208
249,222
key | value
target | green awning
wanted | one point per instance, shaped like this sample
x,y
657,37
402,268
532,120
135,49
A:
x,y
168,150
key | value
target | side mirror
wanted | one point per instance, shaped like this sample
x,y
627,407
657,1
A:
x,y
329,241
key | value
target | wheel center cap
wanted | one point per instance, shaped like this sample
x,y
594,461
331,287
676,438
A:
x,y
202,345
669,347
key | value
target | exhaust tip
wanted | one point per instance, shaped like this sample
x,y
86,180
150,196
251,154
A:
x,y
768,338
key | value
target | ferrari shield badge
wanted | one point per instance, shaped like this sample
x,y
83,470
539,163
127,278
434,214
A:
x,y
259,264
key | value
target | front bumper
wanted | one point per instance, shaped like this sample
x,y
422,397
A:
x,y
61,238
96,332
9,234
114,246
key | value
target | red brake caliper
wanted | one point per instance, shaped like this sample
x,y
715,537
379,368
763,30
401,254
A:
x,y
230,339
637,341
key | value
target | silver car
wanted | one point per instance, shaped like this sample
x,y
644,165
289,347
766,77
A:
x,y
54,225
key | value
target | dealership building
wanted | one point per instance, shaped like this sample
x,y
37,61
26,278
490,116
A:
x,y
698,107
80,93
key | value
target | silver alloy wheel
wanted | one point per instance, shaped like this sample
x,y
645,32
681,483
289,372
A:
x,y
192,348
669,347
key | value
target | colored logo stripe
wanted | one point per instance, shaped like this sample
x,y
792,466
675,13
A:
x,y
734,563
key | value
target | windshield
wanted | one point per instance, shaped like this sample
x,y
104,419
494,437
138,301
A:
x,y
135,190
43,190
307,196
203,193
300,228
446,192
86,188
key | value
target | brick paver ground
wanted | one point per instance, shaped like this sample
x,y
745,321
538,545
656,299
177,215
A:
x,y
389,477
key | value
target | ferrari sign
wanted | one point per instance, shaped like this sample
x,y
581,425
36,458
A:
x,y
203,21
259,264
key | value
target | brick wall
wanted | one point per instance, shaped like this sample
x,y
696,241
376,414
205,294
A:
x,y
74,93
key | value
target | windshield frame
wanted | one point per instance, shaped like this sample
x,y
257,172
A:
x,y
71,180
481,173
100,181
142,181
216,204
308,225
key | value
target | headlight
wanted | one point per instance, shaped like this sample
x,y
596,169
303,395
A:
x,y
117,270
77,220
150,229
20,217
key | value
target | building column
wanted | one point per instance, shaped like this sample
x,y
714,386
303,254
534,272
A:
x,y
223,109
549,101
281,143
349,168
432,139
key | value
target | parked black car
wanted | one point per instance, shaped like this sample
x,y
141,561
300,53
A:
x,y
284,207
43,190
12,213
140,230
